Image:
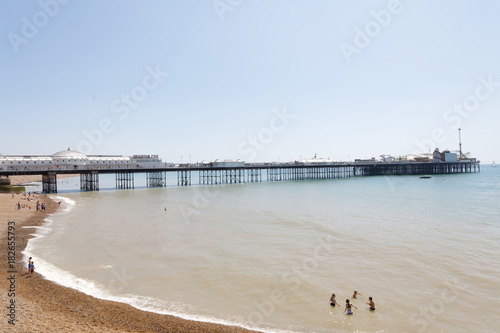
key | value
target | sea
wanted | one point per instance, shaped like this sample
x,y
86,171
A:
x,y
268,255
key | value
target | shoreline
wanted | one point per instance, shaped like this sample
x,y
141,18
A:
x,y
43,305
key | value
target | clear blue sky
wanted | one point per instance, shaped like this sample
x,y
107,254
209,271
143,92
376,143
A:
x,y
349,79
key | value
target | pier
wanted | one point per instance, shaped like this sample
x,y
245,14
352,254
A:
x,y
245,173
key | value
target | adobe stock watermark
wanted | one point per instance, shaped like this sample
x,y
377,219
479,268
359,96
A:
x,y
373,28
455,115
291,281
483,91
201,200
31,26
121,107
120,280
436,307
222,7
248,148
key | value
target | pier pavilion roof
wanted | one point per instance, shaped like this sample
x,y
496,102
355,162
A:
x,y
70,154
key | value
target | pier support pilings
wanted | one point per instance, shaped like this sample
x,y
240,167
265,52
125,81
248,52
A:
x,y
224,176
407,169
184,177
254,175
124,180
156,179
49,182
89,181
210,177
310,173
233,176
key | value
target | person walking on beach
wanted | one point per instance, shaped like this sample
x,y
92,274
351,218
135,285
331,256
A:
x,y
32,267
348,307
29,263
356,294
371,303
333,301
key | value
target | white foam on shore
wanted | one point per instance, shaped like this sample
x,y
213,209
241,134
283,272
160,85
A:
x,y
97,290
64,278
37,228
66,206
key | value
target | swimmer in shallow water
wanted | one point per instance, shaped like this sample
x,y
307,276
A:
x,y
356,294
371,303
348,307
333,301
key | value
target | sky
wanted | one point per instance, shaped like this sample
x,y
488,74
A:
x,y
252,80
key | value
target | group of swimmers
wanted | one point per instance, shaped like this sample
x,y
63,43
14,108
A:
x,y
349,306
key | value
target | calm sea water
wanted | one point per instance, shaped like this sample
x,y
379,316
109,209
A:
x,y
269,255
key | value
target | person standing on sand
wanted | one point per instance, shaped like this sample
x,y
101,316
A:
x,y
333,301
371,303
356,294
29,263
32,267
348,307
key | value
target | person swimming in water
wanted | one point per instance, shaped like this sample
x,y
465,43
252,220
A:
x,y
371,303
348,307
356,294
333,301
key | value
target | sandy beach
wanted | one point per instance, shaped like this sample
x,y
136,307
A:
x,y
25,179
43,306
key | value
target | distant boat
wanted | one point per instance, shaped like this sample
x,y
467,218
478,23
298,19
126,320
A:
x,y
425,177
493,164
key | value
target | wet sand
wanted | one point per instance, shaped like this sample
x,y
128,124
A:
x,y
43,306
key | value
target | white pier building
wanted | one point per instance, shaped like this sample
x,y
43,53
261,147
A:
x,y
74,160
